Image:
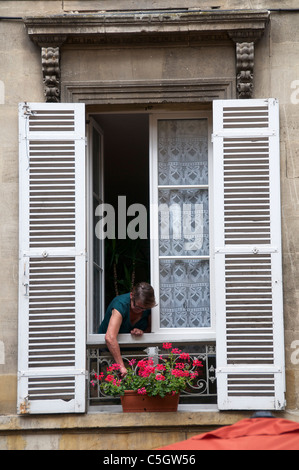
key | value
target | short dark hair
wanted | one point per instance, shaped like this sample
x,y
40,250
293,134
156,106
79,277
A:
x,y
144,294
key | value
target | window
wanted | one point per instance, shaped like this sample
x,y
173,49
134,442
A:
x,y
243,261
176,214
180,224
95,179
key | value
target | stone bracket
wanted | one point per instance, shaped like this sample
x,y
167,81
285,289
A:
x,y
245,43
244,69
51,73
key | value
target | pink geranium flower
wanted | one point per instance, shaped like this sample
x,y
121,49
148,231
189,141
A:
x,y
160,377
180,365
185,356
197,363
132,362
99,376
176,351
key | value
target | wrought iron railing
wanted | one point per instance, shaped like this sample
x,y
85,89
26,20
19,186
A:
x,y
202,391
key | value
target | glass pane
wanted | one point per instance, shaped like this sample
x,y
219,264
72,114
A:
x,y
97,296
184,222
184,294
183,152
96,162
97,242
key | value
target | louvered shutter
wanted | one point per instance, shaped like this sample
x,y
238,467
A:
x,y
51,376
248,267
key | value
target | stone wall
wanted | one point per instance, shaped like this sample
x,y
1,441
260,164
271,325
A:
x,y
276,75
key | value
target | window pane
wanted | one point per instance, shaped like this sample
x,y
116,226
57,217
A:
x,y
183,152
184,222
97,242
96,161
184,294
97,297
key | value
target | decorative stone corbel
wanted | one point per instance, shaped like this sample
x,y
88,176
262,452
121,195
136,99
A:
x,y
245,42
51,73
244,69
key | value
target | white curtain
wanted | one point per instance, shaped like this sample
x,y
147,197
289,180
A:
x,y
184,223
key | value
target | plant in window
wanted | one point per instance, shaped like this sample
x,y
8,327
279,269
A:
x,y
173,373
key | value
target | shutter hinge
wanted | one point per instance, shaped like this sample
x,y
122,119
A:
x,y
27,110
24,406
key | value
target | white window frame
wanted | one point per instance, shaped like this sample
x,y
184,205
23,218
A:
x,y
173,334
162,334
91,126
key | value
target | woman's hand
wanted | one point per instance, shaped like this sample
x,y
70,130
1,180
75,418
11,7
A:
x,y
137,332
123,371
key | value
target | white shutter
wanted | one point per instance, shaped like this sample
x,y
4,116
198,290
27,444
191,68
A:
x,y
248,267
51,376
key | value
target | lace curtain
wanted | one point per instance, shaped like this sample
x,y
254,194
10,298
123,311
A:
x,y
183,223
183,152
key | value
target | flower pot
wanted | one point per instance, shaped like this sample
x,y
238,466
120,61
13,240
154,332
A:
x,y
132,402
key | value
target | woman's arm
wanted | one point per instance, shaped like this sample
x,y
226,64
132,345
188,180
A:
x,y
111,339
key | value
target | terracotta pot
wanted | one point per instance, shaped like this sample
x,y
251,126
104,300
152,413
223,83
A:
x,y
132,402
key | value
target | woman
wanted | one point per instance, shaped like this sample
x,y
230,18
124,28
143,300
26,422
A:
x,y
127,313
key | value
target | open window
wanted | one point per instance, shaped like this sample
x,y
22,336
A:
x,y
155,224
181,226
213,238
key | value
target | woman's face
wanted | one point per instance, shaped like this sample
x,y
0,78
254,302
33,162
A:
x,y
136,305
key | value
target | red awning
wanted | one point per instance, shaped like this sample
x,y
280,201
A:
x,y
247,434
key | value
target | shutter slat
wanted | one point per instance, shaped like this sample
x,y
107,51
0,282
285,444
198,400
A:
x,y
250,352
52,259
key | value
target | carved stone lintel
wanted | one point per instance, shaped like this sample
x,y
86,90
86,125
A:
x,y
51,73
244,69
155,28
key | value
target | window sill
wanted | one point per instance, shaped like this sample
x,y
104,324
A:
x,y
161,337
113,420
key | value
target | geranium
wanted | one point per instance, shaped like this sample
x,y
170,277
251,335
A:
x,y
172,374
185,356
160,377
197,363
176,351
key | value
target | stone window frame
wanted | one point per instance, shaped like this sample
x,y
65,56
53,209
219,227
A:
x,y
147,93
141,29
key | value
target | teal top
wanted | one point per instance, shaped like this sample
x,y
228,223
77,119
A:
x,y
122,304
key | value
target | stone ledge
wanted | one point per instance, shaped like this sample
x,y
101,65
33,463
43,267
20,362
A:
x,y
111,431
122,421
123,27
